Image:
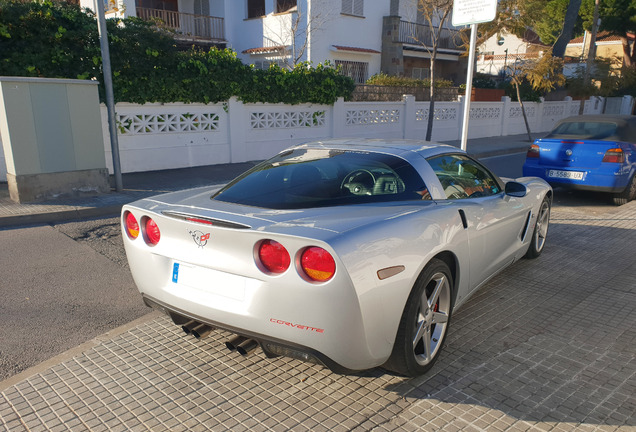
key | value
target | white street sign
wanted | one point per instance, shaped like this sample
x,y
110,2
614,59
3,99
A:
x,y
466,12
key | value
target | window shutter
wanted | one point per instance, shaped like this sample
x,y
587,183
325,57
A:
x,y
358,7
347,6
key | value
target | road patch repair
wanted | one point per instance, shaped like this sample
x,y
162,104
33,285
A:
x,y
548,344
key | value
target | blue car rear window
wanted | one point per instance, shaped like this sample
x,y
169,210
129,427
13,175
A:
x,y
585,130
306,178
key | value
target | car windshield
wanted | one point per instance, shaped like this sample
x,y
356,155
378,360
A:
x,y
585,130
306,178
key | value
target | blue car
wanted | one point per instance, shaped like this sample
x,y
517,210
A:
x,y
595,153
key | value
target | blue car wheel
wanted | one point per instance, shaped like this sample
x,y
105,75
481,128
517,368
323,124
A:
x,y
628,194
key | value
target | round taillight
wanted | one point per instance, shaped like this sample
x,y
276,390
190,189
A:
x,y
273,256
318,264
131,225
153,235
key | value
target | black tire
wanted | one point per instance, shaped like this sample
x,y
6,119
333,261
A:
x,y
540,233
627,195
426,318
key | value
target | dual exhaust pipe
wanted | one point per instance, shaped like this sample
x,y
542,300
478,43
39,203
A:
x,y
197,329
244,346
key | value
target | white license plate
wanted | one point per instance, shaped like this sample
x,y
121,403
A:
x,y
573,175
208,280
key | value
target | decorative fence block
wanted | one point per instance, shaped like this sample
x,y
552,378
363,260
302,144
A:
x,y
515,112
287,119
137,124
489,113
442,114
365,117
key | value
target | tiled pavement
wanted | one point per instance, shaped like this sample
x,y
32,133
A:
x,y
550,344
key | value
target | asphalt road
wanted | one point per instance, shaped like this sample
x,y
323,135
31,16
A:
x,y
65,284
60,287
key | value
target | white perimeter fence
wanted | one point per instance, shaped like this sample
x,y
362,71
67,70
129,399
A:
x,y
165,136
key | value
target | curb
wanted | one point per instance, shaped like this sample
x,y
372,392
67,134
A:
x,y
60,216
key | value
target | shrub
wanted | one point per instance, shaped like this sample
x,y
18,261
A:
x,y
59,40
484,81
383,79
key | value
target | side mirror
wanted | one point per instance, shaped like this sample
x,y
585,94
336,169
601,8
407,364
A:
x,y
516,189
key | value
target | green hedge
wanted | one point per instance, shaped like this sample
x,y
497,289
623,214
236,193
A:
x,y
59,40
396,81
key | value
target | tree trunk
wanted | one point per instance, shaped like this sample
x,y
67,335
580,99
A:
x,y
628,55
431,109
582,106
523,112
572,12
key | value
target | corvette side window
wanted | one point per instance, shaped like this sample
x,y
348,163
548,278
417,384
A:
x,y
462,177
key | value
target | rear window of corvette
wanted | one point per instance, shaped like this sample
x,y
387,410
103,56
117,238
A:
x,y
306,178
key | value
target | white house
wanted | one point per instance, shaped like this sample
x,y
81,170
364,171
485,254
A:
x,y
365,37
501,52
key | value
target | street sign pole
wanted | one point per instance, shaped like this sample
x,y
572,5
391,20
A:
x,y
471,12
469,85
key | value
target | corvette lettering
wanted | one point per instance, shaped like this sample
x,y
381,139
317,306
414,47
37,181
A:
x,y
298,326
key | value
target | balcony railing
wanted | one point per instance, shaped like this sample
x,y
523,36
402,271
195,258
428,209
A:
x,y
420,34
186,24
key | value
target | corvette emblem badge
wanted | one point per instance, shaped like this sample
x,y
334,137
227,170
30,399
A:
x,y
200,238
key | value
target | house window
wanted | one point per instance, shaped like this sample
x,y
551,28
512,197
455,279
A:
x,y
353,7
285,5
255,8
359,71
169,5
421,73
265,64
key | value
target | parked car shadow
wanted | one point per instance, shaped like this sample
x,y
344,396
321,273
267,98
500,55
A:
x,y
597,201
548,340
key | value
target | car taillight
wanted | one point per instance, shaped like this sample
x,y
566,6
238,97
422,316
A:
x,y
614,155
318,264
533,151
153,235
131,225
273,256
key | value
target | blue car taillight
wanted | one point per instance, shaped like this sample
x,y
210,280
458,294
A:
x,y
533,151
614,155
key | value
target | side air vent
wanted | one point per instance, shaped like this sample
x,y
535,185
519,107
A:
x,y
204,220
524,231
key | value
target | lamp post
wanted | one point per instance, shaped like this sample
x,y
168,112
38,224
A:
x,y
505,63
108,86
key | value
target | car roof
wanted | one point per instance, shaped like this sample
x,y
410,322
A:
x,y
397,147
626,124
618,118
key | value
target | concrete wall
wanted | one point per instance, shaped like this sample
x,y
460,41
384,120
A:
x,y
157,136
49,127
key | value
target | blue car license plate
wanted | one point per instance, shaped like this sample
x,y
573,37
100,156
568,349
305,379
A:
x,y
572,175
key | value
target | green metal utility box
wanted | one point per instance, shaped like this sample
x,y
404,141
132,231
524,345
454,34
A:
x,y
52,136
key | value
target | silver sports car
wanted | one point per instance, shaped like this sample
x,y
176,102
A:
x,y
349,253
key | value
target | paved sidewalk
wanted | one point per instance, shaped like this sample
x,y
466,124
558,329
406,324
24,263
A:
x,y
140,185
548,345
